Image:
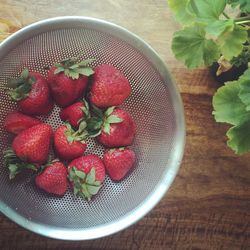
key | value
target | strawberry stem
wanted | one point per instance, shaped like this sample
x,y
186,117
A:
x,y
15,164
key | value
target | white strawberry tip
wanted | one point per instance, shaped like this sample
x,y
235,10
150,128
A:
x,y
85,185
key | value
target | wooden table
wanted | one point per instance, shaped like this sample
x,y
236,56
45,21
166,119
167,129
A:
x,y
208,205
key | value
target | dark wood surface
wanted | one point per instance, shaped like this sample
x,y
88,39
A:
x,y
208,205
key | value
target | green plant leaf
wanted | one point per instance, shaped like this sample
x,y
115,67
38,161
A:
x,y
244,93
179,7
243,4
231,104
207,10
228,107
243,58
218,27
191,46
239,138
231,41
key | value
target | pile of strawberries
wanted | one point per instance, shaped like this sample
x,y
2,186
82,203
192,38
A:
x,y
89,101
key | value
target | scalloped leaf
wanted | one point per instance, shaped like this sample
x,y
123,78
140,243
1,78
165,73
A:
x,y
191,46
231,41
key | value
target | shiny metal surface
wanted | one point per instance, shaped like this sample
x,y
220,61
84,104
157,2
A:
x,y
155,105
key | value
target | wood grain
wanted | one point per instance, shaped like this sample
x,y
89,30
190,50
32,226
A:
x,y
208,205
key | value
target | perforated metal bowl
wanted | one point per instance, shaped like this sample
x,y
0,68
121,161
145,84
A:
x,y
155,105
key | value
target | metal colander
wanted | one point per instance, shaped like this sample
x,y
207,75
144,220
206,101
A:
x,y
154,104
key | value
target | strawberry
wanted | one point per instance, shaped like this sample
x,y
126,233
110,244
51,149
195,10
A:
x,y
68,80
86,174
118,162
33,143
109,87
53,179
16,122
68,143
115,128
30,149
31,92
75,113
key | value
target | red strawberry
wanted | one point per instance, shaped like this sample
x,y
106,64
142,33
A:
x,y
53,179
109,87
68,80
86,174
31,92
118,162
32,144
16,122
69,144
118,128
30,149
75,113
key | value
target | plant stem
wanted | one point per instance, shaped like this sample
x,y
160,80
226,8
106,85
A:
x,y
240,19
225,15
242,22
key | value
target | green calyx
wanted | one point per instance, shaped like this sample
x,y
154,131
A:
x,y
74,69
101,121
110,119
76,135
85,110
19,88
16,165
85,185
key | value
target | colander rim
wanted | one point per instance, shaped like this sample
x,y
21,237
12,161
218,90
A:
x,y
168,176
